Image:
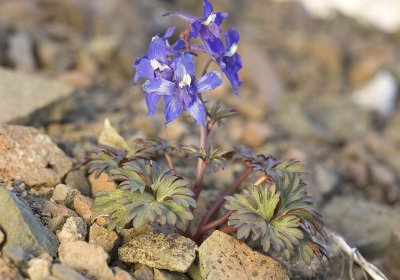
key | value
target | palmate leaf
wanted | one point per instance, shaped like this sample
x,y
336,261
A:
x,y
218,115
215,157
281,216
158,196
158,145
104,159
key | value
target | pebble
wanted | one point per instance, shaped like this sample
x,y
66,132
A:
x,y
38,269
74,229
63,272
90,259
108,240
83,207
64,194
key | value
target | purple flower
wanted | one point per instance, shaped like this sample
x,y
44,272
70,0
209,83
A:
x,y
182,92
206,27
230,61
155,62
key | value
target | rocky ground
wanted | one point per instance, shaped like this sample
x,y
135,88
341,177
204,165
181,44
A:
x,y
320,91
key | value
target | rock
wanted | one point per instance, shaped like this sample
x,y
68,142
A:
x,y
364,225
56,223
9,273
107,239
143,272
90,259
394,255
109,136
256,133
162,250
379,94
120,274
74,229
55,210
23,228
64,194
30,156
101,184
27,99
103,48
1,238
15,254
221,256
77,180
83,207
20,51
326,179
63,272
76,79
169,275
38,269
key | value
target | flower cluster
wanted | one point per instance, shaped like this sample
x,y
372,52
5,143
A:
x,y
169,69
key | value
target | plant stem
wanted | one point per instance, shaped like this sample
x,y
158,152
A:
x,y
228,229
206,67
199,234
201,164
170,163
221,200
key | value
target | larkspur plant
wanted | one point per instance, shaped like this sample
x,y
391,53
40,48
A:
x,y
275,209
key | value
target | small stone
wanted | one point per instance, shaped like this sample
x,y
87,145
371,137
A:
x,y
1,238
101,184
163,250
107,239
74,229
22,227
55,209
56,223
8,272
109,136
30,156
20,51
325,178
15,254
120,274
90,259
38,269
63,272
394,255
169,275
83,207
143,272
64,194
77,180
221,256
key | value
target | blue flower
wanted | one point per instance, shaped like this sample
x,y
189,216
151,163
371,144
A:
x,y
229,60
155,62
206,27
182,92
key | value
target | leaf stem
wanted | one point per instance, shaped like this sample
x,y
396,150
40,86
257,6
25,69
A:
x,y
201,164
170,163
206,67
228,229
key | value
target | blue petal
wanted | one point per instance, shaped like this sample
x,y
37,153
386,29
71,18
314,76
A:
x,y
181,15
143,70
173,108
207,9
159,86
195,107
157,50
212,44
231,68
170,31
209,81
183,65
231,37
151,101
219,17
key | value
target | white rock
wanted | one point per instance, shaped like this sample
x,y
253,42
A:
x,y
38,269
74,229
379,94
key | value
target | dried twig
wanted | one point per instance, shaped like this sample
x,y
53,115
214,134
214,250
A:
x,y
355,256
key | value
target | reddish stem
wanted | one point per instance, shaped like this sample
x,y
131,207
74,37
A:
x,y
199,234
201,164
170,163
228,229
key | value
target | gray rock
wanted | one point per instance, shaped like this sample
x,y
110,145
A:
x,y
56,223
38,269
326,179
89,259
77,180
64,194
20,51
107,239
364,225
32,100
163,250
23,228
15,254
63,272
221,256
120,274
169,275
30,156
74,229
143,272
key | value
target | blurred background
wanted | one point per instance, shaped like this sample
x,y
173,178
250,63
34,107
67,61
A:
x,y
320,85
